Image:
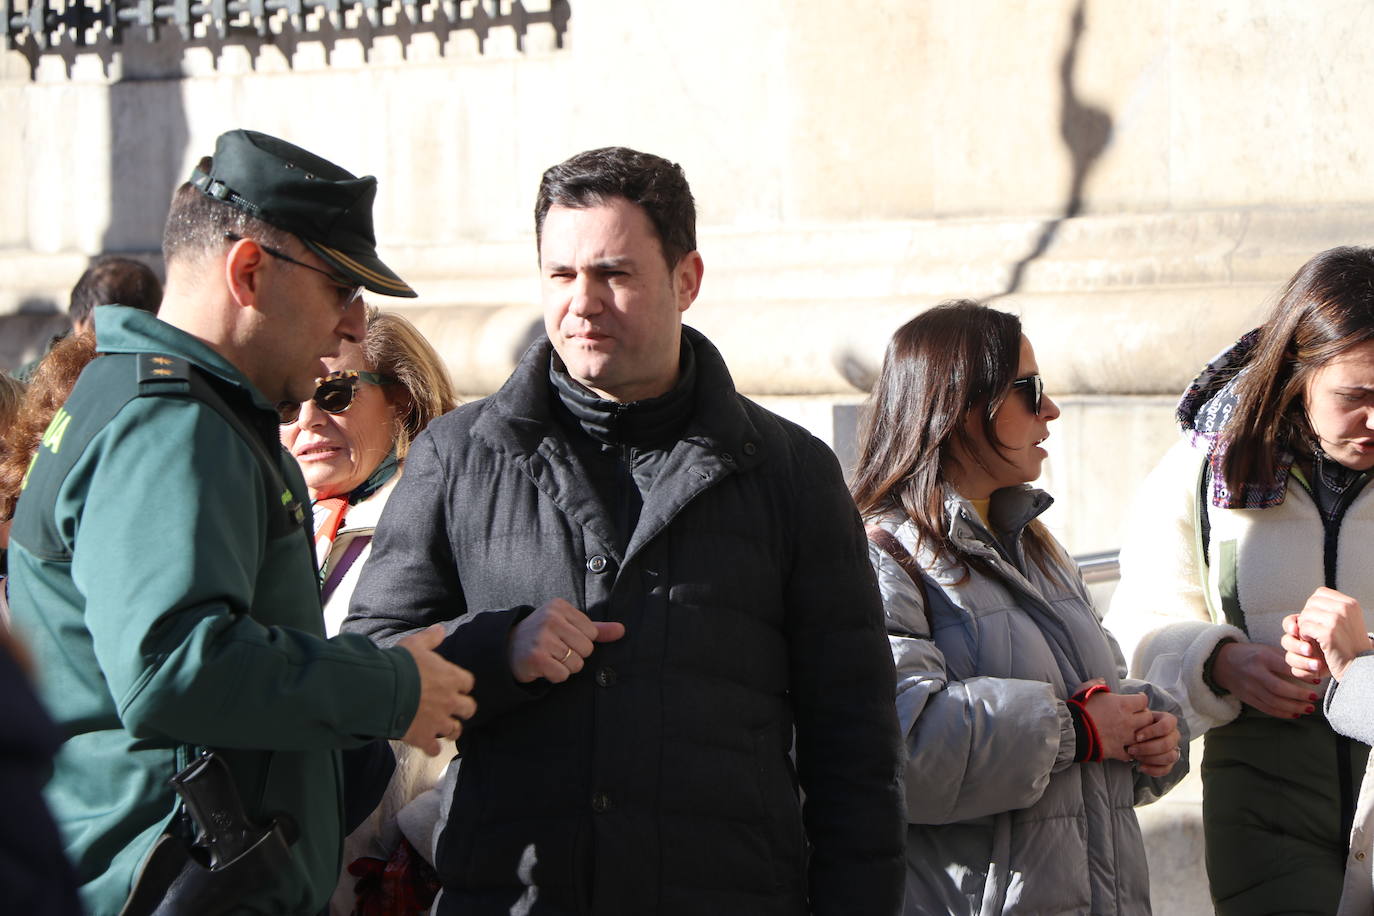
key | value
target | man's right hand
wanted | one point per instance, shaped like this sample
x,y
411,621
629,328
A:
x,y
1258,676
554,642
444,692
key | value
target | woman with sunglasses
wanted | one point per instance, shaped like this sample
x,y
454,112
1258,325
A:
x,y
1026,747
350,440
1263,510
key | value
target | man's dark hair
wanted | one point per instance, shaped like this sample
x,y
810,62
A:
x,y
115,281
197,223
590,179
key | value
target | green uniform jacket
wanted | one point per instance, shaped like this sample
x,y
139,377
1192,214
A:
x,y
174,621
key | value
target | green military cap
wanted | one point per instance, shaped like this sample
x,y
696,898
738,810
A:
x,y
326,207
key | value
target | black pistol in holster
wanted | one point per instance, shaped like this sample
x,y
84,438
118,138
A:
x,y
230,856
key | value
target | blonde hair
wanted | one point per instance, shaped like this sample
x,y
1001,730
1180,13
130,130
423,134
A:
x,y
395,347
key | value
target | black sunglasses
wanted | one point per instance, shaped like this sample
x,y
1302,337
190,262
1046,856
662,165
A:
x,y
348,291
1035,391
333,393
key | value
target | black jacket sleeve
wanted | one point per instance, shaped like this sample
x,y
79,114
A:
x,y
411,581
849,755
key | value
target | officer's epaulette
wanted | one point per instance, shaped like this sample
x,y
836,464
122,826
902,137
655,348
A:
x,y
159,373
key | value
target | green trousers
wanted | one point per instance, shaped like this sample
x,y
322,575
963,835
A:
x,y
1272,814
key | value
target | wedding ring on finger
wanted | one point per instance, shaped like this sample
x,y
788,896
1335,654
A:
x,y
566,655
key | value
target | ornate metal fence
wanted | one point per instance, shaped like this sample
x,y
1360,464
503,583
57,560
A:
x,y
38,27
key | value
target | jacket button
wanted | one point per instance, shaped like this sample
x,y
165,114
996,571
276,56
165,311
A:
x,y
598,564
727,457
601,802
1359,856
606,676
750,448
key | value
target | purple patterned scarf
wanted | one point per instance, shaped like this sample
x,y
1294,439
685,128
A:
x,y
1203,412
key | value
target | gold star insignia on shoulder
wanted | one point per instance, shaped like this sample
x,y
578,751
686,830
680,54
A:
x,y
162,360
162,372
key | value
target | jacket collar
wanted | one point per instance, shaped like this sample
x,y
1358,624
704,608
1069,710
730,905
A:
x,y
120,329
639,424
1010,510
524,421
719,440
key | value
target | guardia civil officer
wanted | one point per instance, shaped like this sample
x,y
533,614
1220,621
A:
x,y
160,565
658,584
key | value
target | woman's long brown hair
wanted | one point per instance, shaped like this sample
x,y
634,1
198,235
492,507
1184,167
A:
x,y
48,389
954,358
1325,309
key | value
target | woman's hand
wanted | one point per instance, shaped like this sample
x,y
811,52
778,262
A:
x,y
1156,745
1333,623
1304,658
1118,718
1259,677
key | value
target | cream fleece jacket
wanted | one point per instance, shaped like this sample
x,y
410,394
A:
x,y
1160,613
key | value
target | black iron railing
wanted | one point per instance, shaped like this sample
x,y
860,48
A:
x,y
37,27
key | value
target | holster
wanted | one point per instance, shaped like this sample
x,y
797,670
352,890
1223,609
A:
x,y
230,857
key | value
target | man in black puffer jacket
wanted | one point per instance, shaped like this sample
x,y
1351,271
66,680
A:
x,y
658,586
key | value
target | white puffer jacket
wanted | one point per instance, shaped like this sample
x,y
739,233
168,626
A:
x,y
1000,818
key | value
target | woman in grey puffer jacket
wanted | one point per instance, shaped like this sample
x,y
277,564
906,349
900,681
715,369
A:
x,y
1027,748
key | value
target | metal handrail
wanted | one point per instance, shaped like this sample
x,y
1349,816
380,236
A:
x,y
1096,568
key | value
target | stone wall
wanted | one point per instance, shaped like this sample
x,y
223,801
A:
x,y
1134,179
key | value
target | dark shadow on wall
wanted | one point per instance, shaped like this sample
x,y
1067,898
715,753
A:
x,y
1086,131
148,138
25,334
